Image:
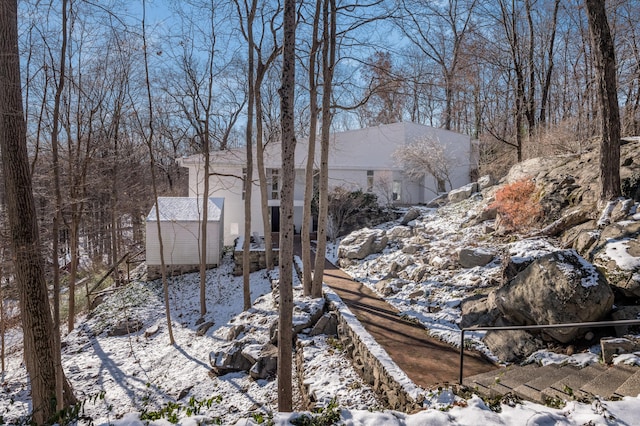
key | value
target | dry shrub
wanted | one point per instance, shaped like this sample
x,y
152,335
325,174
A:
x,y
518,205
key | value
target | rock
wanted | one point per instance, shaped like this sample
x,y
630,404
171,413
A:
x,y
418,274
440,262
472,257
410,249
184,392
488,213
484,182
410,215
203,328
360,244
327,324
439,201
234,332
622,210
511,346
462,193
273,333
560,287
617,251
126,327
229,359
398,232
267,363
585,241
626,313
307,313
385,287
521,254
479,310
151,331
416,294
616,346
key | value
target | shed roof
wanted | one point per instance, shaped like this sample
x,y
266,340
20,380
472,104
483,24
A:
x,y
186,209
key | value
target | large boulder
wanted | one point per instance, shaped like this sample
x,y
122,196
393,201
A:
x,y
559,287
360,244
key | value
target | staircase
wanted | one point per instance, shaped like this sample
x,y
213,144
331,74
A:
x,y
552,384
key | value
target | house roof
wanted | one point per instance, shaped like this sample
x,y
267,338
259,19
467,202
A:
x,y
186,209
367,148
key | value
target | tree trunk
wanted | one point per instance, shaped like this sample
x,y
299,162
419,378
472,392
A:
x,y
37,323
152,165
309,173
605,67
285,323
328,61
248,181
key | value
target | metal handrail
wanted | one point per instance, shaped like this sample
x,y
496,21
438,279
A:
x,y
537,327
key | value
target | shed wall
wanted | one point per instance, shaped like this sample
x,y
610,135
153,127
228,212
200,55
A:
x,y
181,243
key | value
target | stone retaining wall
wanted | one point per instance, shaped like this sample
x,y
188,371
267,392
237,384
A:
x,y
257,260
370,360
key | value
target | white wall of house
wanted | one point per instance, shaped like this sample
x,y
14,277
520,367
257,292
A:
x,y
358,159
181,236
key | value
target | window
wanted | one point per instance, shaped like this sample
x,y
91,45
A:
x,y
441,185
275,183
397,190
369,180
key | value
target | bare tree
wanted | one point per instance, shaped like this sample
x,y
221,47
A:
x,y
439,30
285,323
426,156
605,64
37,324
329,16
149,137
311,151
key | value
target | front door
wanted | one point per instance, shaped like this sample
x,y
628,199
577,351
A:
x,y
275,218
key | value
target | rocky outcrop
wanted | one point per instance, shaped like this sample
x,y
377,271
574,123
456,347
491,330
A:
x,y
560,287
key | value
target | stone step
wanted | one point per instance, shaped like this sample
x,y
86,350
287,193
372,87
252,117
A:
x,y
553,383
631,387
606,384
569,387
532,389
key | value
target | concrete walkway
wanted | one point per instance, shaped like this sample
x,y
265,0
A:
x,y
427,361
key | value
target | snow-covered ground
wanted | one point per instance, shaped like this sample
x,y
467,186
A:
x,y
121,377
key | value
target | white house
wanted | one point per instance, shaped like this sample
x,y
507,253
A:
x,y
181,229
358,159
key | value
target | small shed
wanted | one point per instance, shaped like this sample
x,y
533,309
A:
x,y
180,225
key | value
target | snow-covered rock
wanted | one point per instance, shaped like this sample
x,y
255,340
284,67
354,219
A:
x,y
477,256
463,192
560,287
360,244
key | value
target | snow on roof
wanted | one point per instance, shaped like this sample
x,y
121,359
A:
x,y
186,209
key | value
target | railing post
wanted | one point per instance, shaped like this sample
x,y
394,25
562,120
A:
x,y
461,354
